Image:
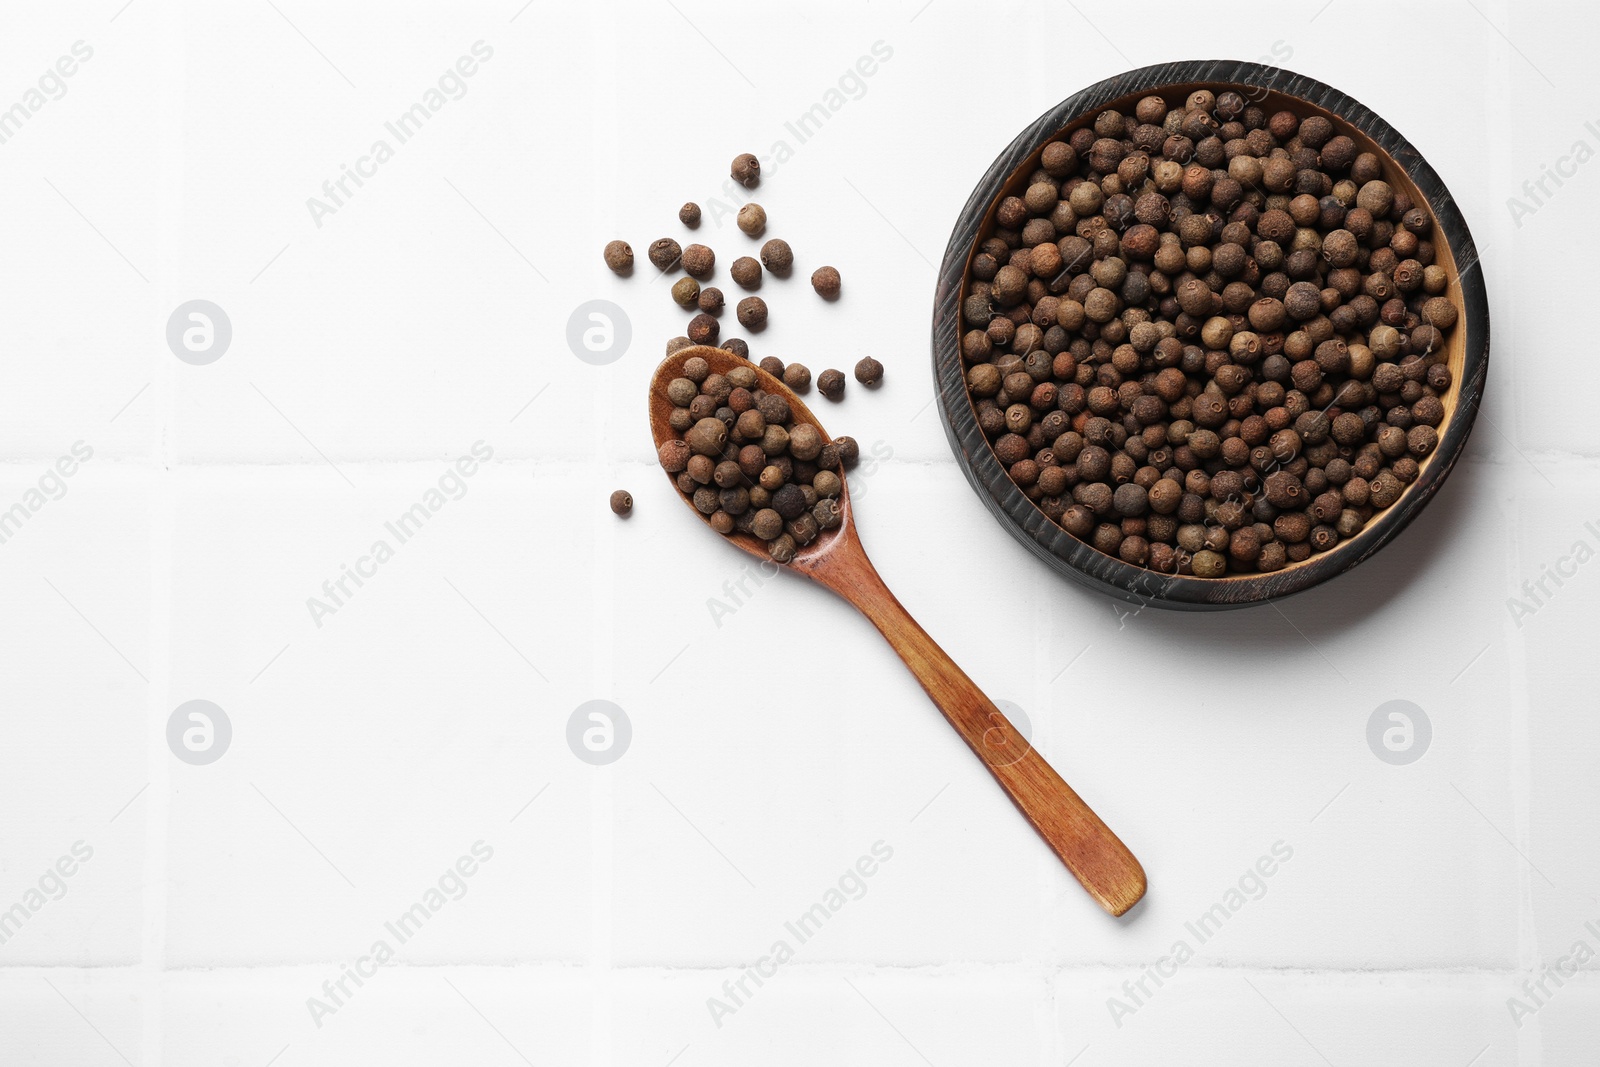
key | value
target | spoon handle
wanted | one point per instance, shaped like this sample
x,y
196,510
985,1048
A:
x,y
1094,855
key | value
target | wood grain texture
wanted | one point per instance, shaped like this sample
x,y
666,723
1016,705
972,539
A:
x,y
836,560
1274,89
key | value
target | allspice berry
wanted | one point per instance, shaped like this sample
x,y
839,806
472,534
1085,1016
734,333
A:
x,y
752,312
825,280
773,366
1439,312
797,376
622,503
767,525
682,391
674,455
706,438
752,219
698,260
777,256
830,383
746,271
665,253
804,443
703,329
746,170
689,214
711,300
619,257
678,344
789,500
869,371
686,292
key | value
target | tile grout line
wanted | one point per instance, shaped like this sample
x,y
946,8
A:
x,y
1052,1035
163,523
157,805
1518,678
1519,775
606,113
1519,762
25,462
931,969
603,856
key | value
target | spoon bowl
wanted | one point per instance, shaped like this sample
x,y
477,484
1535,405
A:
x,y
722,361
1095,856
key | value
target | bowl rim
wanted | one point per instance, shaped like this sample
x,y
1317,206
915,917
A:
x,y
1066,553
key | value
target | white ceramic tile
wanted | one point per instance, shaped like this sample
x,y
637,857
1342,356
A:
x,y
872,1016
80,655
372,751
1232,1016
399,1014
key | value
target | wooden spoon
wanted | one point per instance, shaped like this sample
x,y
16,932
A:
x,y
836,559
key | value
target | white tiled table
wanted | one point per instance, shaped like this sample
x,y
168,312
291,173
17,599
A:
x,y
375,746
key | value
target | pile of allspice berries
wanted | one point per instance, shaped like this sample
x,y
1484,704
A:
x,y
1208,339
747,464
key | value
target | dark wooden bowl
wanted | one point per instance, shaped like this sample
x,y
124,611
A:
x,y
1274,89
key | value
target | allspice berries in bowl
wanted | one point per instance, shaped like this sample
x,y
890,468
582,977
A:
x,y
1209,333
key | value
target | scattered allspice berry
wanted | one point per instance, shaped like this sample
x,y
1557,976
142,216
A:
x,y
619,257
777,256
825,280
703,329
622,503
729,398
698,260
746,271
752,219
746,170
869,371
686,291
665,253
752,312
